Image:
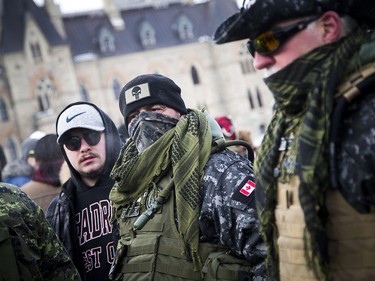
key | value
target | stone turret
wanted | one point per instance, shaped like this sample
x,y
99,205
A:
x,y
54,13
114,15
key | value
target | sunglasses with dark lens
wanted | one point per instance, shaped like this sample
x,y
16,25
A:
x,y
73,143
271,41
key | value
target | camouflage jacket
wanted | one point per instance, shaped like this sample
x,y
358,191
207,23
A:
x,y
37,251
228,215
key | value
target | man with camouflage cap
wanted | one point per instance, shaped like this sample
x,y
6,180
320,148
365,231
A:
x,y
184,213
314,170
29,248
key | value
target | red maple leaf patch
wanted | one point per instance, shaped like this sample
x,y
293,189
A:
x,y
248,188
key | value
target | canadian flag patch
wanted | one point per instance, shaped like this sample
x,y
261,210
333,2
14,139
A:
x,y
248,188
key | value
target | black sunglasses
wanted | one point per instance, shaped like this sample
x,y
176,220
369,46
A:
x,y
73,143
270,41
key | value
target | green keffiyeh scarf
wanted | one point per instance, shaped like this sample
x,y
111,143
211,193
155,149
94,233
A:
x,y
304,94
186,148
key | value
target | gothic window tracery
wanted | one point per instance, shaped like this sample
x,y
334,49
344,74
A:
x,y
147,34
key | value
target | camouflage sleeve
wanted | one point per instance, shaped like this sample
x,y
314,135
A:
x,y
228,213
356,154
49,259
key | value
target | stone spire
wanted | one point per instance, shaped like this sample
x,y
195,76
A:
x,y
54,13
114,15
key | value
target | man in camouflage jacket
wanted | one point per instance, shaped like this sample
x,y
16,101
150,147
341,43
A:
x,y
29,248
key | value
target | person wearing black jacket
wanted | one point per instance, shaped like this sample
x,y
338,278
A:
x,y
80,215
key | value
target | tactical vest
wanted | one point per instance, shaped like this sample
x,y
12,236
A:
x,y
351,235
156,252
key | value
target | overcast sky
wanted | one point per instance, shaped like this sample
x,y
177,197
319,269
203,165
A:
x,y
69,6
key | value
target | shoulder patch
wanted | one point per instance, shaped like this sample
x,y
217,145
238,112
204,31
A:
x,y
245,192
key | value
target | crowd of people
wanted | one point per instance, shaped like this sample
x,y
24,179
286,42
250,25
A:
x,y
169,195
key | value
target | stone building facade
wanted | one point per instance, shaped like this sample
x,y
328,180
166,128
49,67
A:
x,y
48,60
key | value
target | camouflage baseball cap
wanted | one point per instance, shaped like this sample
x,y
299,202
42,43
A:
x,y
256,16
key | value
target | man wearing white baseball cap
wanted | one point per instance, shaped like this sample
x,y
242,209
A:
x,y
90,144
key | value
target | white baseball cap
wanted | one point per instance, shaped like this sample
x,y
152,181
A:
x,y
79,116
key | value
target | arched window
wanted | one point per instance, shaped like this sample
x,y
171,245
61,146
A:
x,y
116,88
44,92
83,92
35,51
195,76
3,111
106,41
147,34
250,97
184,28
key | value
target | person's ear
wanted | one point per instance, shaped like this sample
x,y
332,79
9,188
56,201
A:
x,y
332,27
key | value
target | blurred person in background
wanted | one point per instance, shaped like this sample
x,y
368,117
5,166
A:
x,y
19,170
226,124
45,181
28,147
245,135
230,134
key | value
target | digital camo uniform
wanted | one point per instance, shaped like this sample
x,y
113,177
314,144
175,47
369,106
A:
x,y
355,161
227,189
35,252
314,170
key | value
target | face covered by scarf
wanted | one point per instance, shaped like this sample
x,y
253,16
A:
x,y
148,127
185,148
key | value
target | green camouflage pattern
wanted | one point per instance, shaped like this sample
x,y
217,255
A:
x,y
38,251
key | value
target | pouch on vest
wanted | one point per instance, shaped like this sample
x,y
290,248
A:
x,y
221,266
